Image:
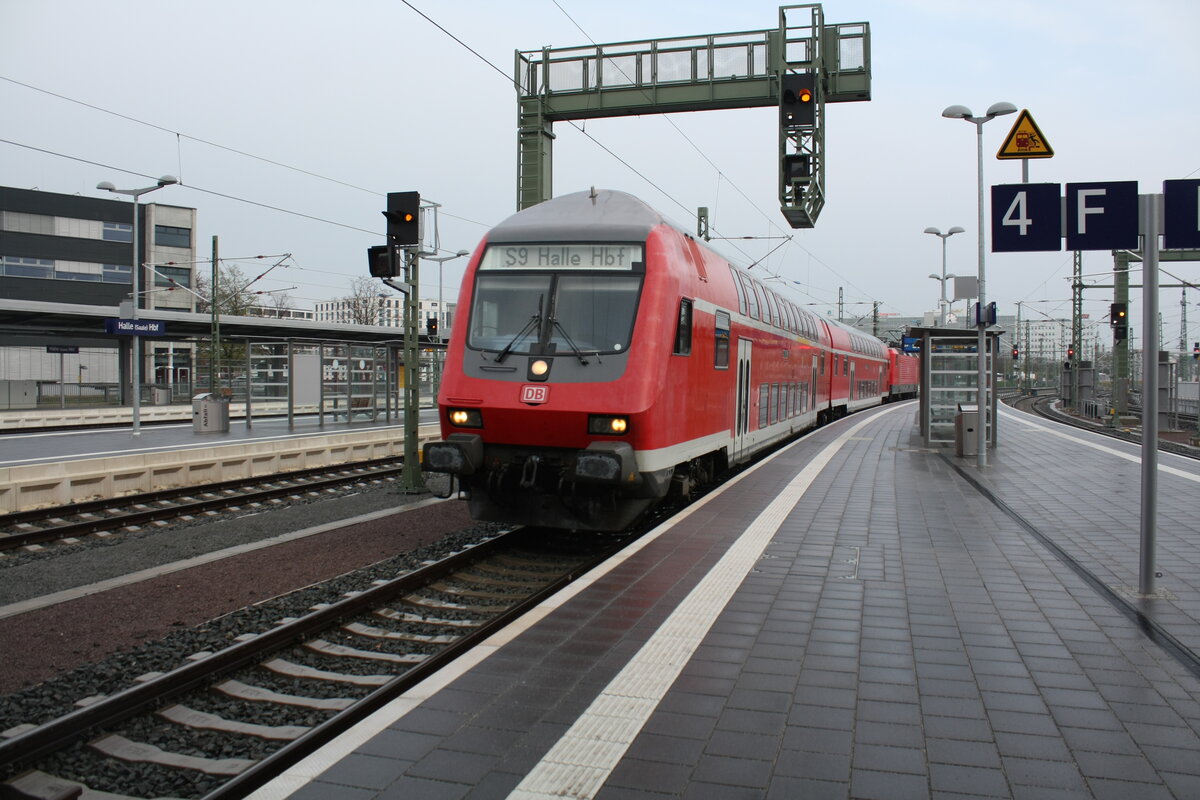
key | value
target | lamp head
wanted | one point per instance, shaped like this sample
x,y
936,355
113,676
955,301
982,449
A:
x,y
957,112
934,231
1000,109
106,186
954,230
462,253
167,180
935,277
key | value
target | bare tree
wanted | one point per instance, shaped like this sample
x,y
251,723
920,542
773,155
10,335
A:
x,y
362,304
280,302
233,299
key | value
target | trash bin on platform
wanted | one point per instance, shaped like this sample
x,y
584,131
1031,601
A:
x,y
210,414
161,395
966,438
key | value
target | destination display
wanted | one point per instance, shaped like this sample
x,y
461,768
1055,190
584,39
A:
x,y
562,256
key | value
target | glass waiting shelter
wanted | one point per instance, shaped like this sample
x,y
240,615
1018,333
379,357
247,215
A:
x,y
950,378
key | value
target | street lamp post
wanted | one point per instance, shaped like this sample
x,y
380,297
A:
x,y
962,112
945,277
136,371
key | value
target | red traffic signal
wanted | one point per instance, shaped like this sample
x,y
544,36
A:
x,y
1016,353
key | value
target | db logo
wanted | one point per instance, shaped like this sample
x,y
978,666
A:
x,y
535,393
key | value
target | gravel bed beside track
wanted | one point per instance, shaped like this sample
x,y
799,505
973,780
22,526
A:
x,y
58,655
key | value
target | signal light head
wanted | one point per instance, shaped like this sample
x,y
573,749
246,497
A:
x,y
804,96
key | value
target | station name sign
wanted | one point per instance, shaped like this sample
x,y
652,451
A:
x,y
135,327
1089,216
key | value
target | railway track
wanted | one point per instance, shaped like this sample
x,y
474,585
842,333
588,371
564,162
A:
x,y
1042,406
228,721
38,526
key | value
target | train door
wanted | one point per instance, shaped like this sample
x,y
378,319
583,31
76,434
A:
x,y
813,404
741,428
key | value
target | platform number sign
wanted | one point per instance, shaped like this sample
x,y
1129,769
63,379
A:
x,y
1089,216
1026,217
1102,216
1181,214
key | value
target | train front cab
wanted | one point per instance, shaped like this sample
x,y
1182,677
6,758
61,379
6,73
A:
x,y
564,402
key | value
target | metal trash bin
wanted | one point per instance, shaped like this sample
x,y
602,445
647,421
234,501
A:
x,y
210,414
161,395
966,438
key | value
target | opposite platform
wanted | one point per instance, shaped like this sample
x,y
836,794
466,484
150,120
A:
x,y
853,618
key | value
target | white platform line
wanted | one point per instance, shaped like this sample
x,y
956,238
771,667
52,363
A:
x,y
308,769
1136,458
579,764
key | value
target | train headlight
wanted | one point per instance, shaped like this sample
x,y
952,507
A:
x,y
608,425
465,417
539,369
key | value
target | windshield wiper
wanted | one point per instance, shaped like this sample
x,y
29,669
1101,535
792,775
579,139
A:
x,y
534,321
574,347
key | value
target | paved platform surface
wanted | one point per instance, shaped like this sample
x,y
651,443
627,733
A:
x,y
19,447
857,618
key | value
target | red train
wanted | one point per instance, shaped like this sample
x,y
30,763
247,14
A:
x,y
605,358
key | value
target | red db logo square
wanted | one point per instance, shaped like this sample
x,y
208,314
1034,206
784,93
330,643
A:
x,y
535,393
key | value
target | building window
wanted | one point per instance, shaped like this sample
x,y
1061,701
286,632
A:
x,y
17,267
182,276
167,236
118,232
117,273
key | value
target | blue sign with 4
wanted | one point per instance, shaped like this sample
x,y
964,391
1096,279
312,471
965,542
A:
x,y
1026,217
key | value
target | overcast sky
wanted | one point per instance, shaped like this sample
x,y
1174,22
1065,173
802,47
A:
x,y
356,99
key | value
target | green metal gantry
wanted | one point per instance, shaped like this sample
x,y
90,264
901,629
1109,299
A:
x,y
697,73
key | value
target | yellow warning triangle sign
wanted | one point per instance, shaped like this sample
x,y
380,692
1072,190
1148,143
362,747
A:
x,y
1025,140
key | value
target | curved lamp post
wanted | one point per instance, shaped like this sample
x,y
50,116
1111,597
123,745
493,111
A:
x,y
945,277
964,113
136,376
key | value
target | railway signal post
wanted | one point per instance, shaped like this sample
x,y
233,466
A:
x,y
399,259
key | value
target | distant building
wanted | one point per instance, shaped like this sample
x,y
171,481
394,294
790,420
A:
x,y
71,249
66,248
274,312
390,313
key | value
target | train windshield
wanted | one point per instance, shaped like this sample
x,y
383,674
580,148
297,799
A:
x,y
547,312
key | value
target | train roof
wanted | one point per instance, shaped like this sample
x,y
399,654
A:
x,y
580,217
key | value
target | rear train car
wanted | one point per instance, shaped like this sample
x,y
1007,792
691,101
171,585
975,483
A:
x,y
604,358
904,372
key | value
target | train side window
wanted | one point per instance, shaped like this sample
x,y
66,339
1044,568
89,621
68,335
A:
x,y
764,404
741,290
762,302
721,341
683,332
751,297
